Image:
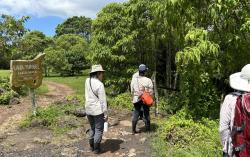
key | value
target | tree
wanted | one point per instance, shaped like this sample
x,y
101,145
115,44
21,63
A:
x,y
155,31
31,45
75,25
11,30
67,55
112,45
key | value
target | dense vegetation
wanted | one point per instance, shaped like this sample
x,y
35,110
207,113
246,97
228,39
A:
x,y
191,46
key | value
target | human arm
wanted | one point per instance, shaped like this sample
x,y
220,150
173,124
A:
x,y
225,121
103,99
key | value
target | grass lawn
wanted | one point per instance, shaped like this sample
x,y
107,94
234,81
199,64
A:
x,y
75,82
4,73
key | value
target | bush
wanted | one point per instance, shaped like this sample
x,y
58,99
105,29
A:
x,y
123,100
180,136
54,117
170,103
8,93
198,66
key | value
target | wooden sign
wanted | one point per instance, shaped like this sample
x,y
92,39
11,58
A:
x,y
27,72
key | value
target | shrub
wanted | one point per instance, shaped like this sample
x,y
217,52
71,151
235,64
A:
x,y
123,100
170,103
180,136
198,66
8,93
54,117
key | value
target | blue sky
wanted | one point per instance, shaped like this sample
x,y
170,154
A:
x,y
47,14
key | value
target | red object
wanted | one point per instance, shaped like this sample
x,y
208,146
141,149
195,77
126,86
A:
x,y
147,99
241,128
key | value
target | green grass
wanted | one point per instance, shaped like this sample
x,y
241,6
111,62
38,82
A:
x,y
77,83
179,136
43,89
51,117
4,73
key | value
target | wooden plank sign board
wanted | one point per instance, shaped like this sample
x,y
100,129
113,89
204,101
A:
x,y
27,72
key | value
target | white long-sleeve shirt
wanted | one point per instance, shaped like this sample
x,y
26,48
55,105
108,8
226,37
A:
x,y
226,121
95,104
138,85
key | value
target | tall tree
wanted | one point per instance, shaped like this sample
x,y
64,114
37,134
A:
x,y
31,45
79,25
11,30
67,55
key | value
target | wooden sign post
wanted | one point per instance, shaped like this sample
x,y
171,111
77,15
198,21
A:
x,y
29,73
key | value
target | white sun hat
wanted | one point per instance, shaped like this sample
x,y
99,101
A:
x,y
96,68
241,80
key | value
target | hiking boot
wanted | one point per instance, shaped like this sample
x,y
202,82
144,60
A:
x,y
135,132
97,149
147,126
134,127
91,144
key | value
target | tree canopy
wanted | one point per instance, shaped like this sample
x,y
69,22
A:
x,y
201,42
79,25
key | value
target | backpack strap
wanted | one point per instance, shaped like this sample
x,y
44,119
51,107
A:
x,y
92,88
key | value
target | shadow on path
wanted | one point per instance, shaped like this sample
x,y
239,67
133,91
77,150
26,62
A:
x,y
111,145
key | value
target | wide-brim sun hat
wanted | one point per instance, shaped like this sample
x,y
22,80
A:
x,y
241,80
96,68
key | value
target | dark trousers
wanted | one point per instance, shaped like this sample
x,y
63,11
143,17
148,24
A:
x,y
136,114
97,126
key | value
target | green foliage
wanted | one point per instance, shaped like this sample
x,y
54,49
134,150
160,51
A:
x,y
51,117
67,55
75,25
112,45
170,104
4,73
197,66
43,89
31,45
11,30
8,93
122,101
180,136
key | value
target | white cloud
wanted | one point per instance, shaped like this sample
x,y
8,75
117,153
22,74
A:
x,y
61,8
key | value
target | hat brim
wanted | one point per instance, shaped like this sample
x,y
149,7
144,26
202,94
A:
x,y
238,83
97,71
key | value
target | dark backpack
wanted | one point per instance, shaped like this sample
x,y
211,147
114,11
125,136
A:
x,y
241,127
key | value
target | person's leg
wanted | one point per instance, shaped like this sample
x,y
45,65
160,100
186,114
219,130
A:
x,y
99,126
91,131
146,116
141,114
136,114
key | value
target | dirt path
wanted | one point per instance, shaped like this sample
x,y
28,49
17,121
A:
x,y
117,142
40,142
11,115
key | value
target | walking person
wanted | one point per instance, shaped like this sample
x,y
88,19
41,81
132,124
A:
x,y
135,76
139,84
95,106
235,116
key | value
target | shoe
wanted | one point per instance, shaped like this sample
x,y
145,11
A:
x,y
97,149
91,144
134,127
148,128
134,132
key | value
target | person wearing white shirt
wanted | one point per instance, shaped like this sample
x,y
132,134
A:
x,y
95,106
241,83
139,84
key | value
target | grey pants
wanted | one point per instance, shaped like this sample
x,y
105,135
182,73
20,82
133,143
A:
x,y
97,126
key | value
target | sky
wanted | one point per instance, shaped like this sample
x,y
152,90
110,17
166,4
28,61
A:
x,y
47,14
